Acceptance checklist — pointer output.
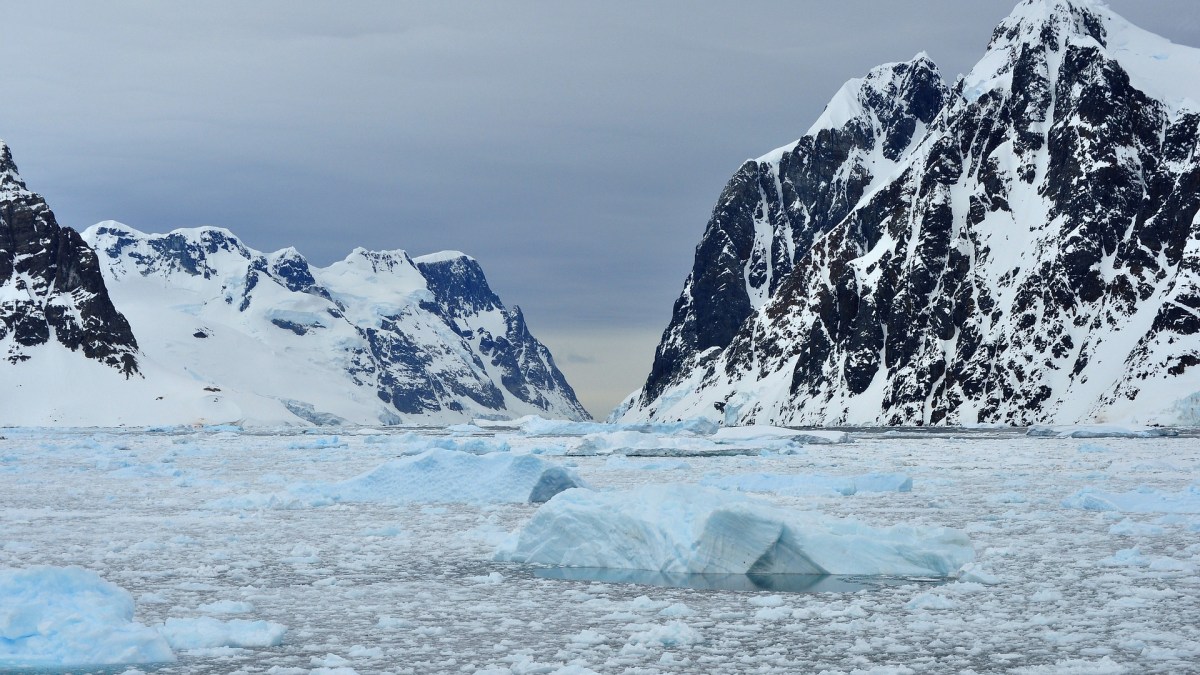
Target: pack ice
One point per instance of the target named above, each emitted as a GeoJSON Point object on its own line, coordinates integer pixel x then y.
{"type": "Point", "coordinates": [696, 530]}
{"type": "Point", "coordinates": [54, 617]}
{"type": "Point", "coordinates": [802, 484]}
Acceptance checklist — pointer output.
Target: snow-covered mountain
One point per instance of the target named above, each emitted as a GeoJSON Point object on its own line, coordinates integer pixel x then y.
{"type": "Point", "coordinates": [225, 333]}
{"type": "Point", "coordinates": [1021, 247]}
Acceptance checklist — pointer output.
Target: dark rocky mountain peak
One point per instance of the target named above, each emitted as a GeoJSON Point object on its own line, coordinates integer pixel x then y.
{"type": "Point", "coordinates": [51, 288]}
{"type": "Point", "coordinates": [774, 207]}
{"type": "Point", "coordinates": [1029, 255]}
{"type": "Point", "coordinates": [458, 285]}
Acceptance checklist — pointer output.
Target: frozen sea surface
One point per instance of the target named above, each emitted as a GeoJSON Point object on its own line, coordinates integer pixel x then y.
{"type": "Point", "coordinates": [409, 587]}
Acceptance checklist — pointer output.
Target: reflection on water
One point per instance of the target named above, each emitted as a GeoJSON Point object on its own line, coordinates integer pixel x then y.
{"type": "Point", "coordinates": [781, 583]}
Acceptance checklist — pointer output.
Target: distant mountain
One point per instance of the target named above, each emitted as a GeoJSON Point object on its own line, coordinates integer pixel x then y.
{"type": "Point", "coordinates": [1018, 248]}
{"type": "Point", "coordinates": [228, 334]}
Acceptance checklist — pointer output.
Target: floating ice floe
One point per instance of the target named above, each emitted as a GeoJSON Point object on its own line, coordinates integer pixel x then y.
{"type": "Point", "coordinates": [52, 617]}
{"type": "Point", "coordinates": [433, 476]}
{"type": "Point", "coordinates": [697, 530]}
{"type": "Point", "coordinates": [762, 433]}
{"type": "Point", "coordinates": [207, 633]}
{"type": "Point", "coordinates": [729, 441]}
{"type": "Point", "coordinates": [1099, 431]}
{"type": "Point", "coordinates": [805, 485]}
{"type": "Point", "coordinates": [1143, 500]}
{"type": "Point", "coordinates": [532, 425]}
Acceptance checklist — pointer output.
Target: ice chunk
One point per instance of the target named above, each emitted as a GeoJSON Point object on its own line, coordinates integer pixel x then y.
{"type": "Point", "coordinates": [207, 632]}
{"type": "Point", "coordinates": [1143, 500]}
{"type": "Point", "coordinates": [883, 482]}
{"type": "Point", "coordinates": [690, 529]}
{"type": "Point", "coordinates": [671, 634]}
{"type": "Point", "coordinates": [740, 441]}
{"type": "Point", "coordinates": [623, 463]}
{"type": "Point", "coordinates": [67, 616]}
{"type": "Point", "coordinates": [1099, 431]}
{"type": "Point", "coordinates": [932, 601]}
{"type": "Point", "coordinates": [226, 607]}
{"type": "Point", "coordinates": [802, 484]}
{"type": "Point", "coordinates": [433, 476]}
{"type": "Point", "coordinates": [626, 442]}
{"type": "Point", "coordinates": [532, 425]}
{"type": "Point", "coordinates": [762, 432]}
{"type": "Point", "coordinates": [449, 476]}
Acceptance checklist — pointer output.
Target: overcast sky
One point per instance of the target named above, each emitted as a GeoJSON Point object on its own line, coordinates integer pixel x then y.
{"type": "Point", "coordinates": [576, 149]}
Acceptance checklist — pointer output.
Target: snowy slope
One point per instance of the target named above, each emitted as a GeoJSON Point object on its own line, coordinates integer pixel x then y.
{"type": "Point", "coordinates": [226, 334]}
{"type": "Point", "coordinates": [1021, 252]}
{"type": "Point", "coordinates": [370, 339]}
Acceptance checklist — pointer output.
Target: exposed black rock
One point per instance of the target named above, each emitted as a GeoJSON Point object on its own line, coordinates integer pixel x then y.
{"type": "Point", "coordinates": [773, 208]}
{"type": "Point", "coordinates": [1030, 257]}
{"type": "Point", "coordinates": [51, 288]}
{"type": "Point", "coordinates": [527, 369]}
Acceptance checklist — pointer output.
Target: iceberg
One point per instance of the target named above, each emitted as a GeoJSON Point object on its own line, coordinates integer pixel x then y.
{"type": "Point", "coordinates": [728, 441]}
{"type": "Point", "coordinates": [451, 476]}
{"type": "Point", "coordinates": [54, 617]}
{"type": "Point", "coordinates": [697, 530]}
{"type": "Point", "coordinates": [434, 476]}
{"type": "Point", "coordinates": [533, 425]}
{"type": "Point", "coordinates": [207, 632]}
{"type": "Point", "coordinates": [1099, 431]}
{"type": "Point", "coordinates": [765, 432]}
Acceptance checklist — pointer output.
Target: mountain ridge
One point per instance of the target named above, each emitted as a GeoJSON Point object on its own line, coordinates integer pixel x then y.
{"type": "Point", "coordinates": [1000, 273]}
{"type": "Point", "coordinates": [411, 335]}
{"type": "Point", "coordinates": [228, 334]}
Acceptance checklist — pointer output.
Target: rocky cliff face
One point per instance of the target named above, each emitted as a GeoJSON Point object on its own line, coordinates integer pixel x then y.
{"type": "Point", "coordinates": [51, 288]}
{"type": "Point", "coordinates": [1019, 248]}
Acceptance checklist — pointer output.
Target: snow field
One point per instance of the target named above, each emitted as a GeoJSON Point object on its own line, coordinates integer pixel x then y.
{"type": "Point", "coordinates": [375, 587]}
